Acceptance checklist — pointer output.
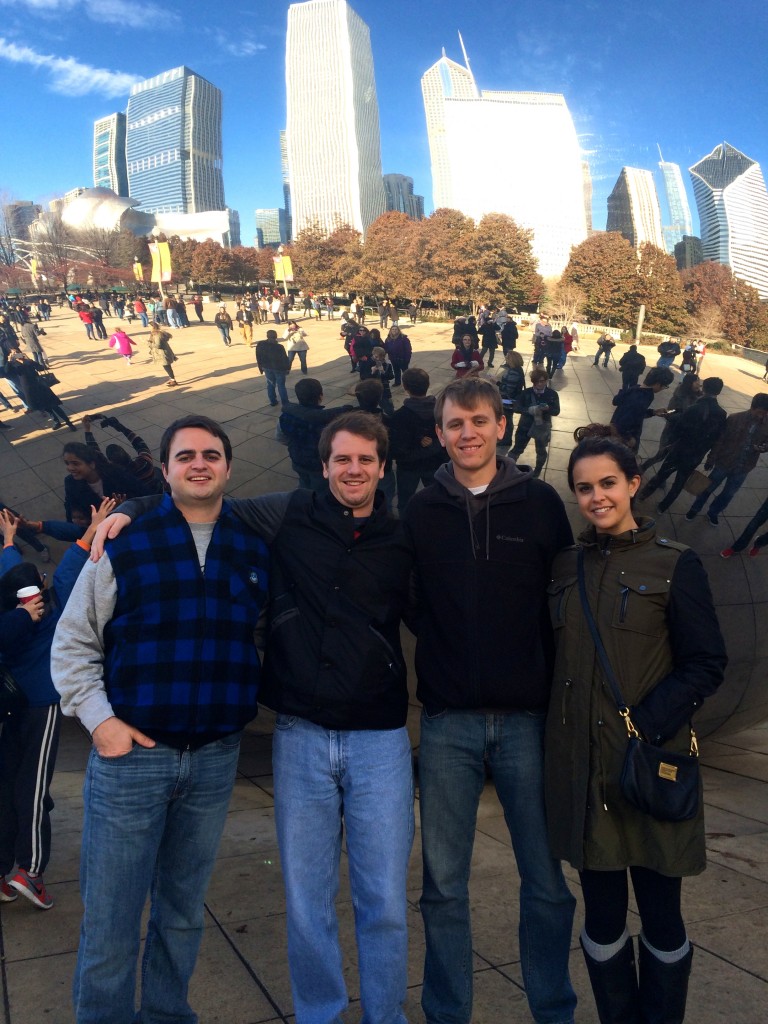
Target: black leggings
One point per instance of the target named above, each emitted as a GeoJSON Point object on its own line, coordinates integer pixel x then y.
{"type": "Point", "coordinates": [606, 898]}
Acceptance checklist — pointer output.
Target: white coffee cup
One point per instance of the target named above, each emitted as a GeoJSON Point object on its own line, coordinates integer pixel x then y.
{"type": "Point", "coordinates": [27, 594]}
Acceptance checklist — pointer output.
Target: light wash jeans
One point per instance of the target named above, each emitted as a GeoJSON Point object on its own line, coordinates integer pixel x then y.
{"type": "Point", "coordinates": [276, 379]}
{"type": "Point", "coordinates": [328, 782]}
{"type": "Point", "coordinates": [455, 747]}
{"type": "Point", "coordinates": [152, 823]}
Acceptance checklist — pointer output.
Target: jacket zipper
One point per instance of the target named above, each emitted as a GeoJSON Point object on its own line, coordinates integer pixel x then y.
{"type": "Point", "coordinates": [624, 602]}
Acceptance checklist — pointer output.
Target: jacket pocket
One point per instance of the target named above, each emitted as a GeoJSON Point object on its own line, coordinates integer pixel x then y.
{"type": "Point", "coordinates": [559, 593]}
{"type": "Point", "coordinates": [641, 604]}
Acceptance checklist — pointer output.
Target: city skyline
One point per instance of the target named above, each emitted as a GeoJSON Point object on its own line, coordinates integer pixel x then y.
{"type": "Point", "coordinates": [633, 208]}
{"type": "Point", "coordinates": [631, 78]}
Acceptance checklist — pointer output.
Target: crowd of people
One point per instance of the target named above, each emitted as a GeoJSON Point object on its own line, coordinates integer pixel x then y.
{"type": "Point", "coordinates": [154, 654]}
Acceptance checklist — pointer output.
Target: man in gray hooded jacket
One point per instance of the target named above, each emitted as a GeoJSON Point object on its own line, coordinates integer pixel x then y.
{"type": "Point", "coordinates": [484, 535]}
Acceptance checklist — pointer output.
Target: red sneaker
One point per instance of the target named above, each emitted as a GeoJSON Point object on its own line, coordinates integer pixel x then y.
{"type": "Point", "coordinates": [33, 887]}
{"type": "Point", "coordinates": [727, 552]}
{"type": "Point", "coordinates": [754, 552]}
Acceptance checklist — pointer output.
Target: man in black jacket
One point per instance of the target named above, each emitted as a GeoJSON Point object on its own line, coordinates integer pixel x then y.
{"type": "Point", "coordinates": [484, 536]}
{"type": "Point", "coordinates": [272, 360]}
{"type": "Point", "coordinates": [300, 426]}
{"type": "Point", "coordinates": [413, 441]}
{"type": "Point", "coordinates": [695, 432]}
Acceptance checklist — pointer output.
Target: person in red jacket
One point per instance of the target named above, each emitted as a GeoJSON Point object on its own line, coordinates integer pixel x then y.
{"type": "Point", "coordinates": [466, 359]}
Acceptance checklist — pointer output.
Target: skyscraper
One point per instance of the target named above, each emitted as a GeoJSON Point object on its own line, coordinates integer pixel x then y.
{"type": "Point", "coordinates": [679, 223]}
{"type": "Point", "coordinates": [18, 217]}
{"type": "Point", "coordinates": [109, 167]}
{"type": "Point", "coordinates": [733, 210]}
{"type": "Point", "coordinates": [271, 227]}
{"type": "Point", "coordinates": [286, 184]}
{"type": "Point", "coordinates": [173, 143]}
{"type": "Point", "coordinates": [543, 191]}
{"type": "Point", "coordinates": [398, 191]}
{"type": "Point", "coordinates": [446, 80]}
{"type": "Point", "coordinates": [633, 208]}
{"type": "Point", "coordinates": [334, 147]}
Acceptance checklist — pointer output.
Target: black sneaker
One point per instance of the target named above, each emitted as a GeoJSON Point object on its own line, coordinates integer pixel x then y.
{"type": "Point", "coordinates": [712, 519]}
{"type": "Point", "coordinates": [690, 516]}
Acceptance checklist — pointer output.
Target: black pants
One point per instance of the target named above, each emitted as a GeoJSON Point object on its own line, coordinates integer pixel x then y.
{"type": "Point", "coordinates": [488, 350]}
{"type": "Point", "coordinates": [606, 899]}
{"type": "Point", "coordinates": [28, 746]}
{"type": "Point", "coordinates": [682, 468]}
{"type": "Point", "coordinates": [302, 359]}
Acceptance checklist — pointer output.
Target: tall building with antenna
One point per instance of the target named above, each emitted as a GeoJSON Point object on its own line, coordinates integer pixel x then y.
{"type": "Point", "coordinates": [680, 223]}
{"type": "Point", "coordinates": [332, 128]}
{"type": "Point", "coordinates": [733, 210]}
{"type": "Point", "coordinates": [545, 195]}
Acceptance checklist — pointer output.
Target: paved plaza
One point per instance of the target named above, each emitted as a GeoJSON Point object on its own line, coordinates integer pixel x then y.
{"type": "Point", "coordinates": [242, 975]}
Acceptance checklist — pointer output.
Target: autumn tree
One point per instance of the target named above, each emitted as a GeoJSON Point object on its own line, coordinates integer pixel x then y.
{"type": "Point", "coordinates": [54, 249]}
{"type": "Point", "coordinates": [182, 253]}
{"type": "Point", "coordinates": [564, 300]}
{"type": "Point", "coordinates": [246, 265]}
{"type": "Point", "coordinates": [210, 262]}
{"type": "Point", "coordinates": [720, 303]}
{"type": "Point", "coordinates": [325, 261]}
{"type": "Point", "coordinates": [388, 266]}
{"type": "Point", "coordinates": [604, 268]}
{"type": "Point", "coordinates": [661, 290]}
{"type": "Point", "coordinates": [445, 257]}
{"type": "Point", "coordinates": [505, 270]}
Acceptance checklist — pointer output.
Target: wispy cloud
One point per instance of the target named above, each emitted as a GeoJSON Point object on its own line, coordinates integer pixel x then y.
{"type": "Point", "coordinates": [112, 12]}
{"type": "Point", "coordinates": [69, 76]}
{"type": "Point", "coordinates": [238, 45]}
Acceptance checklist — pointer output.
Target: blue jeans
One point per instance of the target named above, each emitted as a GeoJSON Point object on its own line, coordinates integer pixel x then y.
{"type": "Point", "coordinates": [327, 781]}
{"type": "Point", "coordinates": [733, 482]}
{"type": "Point", "coordinates": [224, 332]}
{"type": "Point", "coordinates": [455, 746]}
{"type": "Point", "coordinates": [152, 823]}
{"type": "Point", "coordinates": [173, 318]}
{"type": "Point", "coordinates": [276, 379]}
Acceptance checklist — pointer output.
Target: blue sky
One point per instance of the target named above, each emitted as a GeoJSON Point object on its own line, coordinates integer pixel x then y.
{"type": "Point", "coordinates": [686, 74]}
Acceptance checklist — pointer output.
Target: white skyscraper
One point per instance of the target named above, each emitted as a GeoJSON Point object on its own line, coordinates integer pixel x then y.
{"type": "Point", "coordinates": [541, 190]}
{"type": "Point", "coordinates": [332, 130]}
{"type": "Point", "coordinates": [633, 208]}
{"type": "Point", "coordinates": [444, 81]}
{"type": "Point", "coordinates": [733, 210]}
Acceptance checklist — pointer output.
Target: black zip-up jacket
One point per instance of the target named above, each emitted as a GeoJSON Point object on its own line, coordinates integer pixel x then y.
{"type": "Point", "coordinates": [483, 564]}
{"type": "Point", "coordinates": [408, 426]}
{"type": "Point", "coordinates": [333, 652]}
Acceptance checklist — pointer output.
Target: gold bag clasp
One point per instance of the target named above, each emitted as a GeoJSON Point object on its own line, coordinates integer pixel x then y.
{"type": "Point", "coordinates": [667, 771]}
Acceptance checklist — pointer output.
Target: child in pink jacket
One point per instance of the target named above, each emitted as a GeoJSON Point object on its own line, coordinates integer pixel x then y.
{"type": "Point", "coordinates": [123, 344]}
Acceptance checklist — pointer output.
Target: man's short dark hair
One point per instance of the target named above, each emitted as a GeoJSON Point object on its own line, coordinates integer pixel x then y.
{"type": "Point", "coordinates": [469, 392]}
{"type": "Point", "coordinates": [271, 335]}
{"type": "Point", "coordinates": [308, 391]}
{"type": "Point", "coordinates": [760, 401]}
{"type": "Point", "coordinates": [357, 422]}
{"type": "Point", "coordinates": [416, 382]}
{"type": "Point", "coordinates": [659, 375]}
{"type": "Point", "coordinates": [368, 394]}
{"type": "Point", "coordinates": [191, 423]}
{"type": "Point", "coordinates": [712, 385]}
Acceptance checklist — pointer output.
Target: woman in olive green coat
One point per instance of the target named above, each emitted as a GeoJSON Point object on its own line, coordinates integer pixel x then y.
{"type": "Point", "coordinates": [651, 602]}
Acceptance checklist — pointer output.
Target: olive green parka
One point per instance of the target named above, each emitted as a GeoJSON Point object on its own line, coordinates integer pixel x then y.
{"type": "Point", "coordinates": [651, 601]}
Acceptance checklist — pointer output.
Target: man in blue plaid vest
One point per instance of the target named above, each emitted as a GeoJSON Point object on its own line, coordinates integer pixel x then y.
{"type": "Point", "coordinates": [157, 659]}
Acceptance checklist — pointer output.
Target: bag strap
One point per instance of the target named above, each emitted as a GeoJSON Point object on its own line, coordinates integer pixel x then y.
{"type": "Point", "coordinates": [621, 704]}
{"type": "Point", "coordinates": [599, 647]}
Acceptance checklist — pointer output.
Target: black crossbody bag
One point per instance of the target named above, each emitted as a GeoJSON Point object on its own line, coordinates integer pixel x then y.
{"type": "Point", "coordinates": [656, 781]}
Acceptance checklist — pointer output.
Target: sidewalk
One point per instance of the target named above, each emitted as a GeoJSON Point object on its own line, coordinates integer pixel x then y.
{"type": "Point", "coordinates": [242, 975]}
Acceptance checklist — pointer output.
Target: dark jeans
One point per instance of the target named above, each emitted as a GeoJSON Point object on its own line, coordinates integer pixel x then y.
{"type": "Point", "coordinates": [302, 360]}
{"type": "Point", "coordinates": [398, 366]}
{"type": "Point", "coordinates": [757, 520]}
{"type": "Point", "coordinates": [488, 350]}
{"type": "Point", "coordinates": [408, 480]}
{"type": "Point", "coordinates": [683, 469]}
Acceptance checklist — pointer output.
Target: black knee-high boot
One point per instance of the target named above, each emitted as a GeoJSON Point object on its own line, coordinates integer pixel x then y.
{"type": "Point", "coordinates": [663, 987]}
{"type": "Point", "coordinates": [614, 985]}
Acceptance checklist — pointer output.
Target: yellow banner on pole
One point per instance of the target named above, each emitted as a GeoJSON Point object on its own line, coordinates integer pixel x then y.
{"type": "Point", "coordinates": [138, 271]}
{"type": "Point", "coordinates": [283, 268]}
{"type": "Point", "coordinates": [161, 261]}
